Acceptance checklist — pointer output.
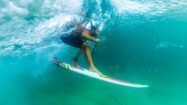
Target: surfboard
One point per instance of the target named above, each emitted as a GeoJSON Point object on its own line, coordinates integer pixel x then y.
{"type": "Point", "coordinates": [91, 74]}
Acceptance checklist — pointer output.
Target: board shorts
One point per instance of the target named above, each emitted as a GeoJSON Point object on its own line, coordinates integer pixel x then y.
{"type": "Point", "coordinates": [72, 40]}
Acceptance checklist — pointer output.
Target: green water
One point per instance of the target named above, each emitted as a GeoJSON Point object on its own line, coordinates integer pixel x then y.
{"type": "Point", "coordinates": [141, 41]}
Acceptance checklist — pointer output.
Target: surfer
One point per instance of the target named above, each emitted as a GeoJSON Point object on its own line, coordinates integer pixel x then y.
{"type": "Point", "coordinates": [77, 38]}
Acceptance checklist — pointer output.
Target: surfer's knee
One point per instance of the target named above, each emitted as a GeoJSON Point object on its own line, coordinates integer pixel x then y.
{"type": "Point", "coordinates": [85, 46]}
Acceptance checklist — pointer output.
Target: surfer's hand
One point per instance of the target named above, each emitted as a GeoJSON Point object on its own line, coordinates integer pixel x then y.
{"type": "Point", "coordinates": [97, 40]}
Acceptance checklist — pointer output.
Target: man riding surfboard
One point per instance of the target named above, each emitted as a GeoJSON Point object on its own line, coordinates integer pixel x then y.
{"type": "Point", "coordinates": [77, 38]}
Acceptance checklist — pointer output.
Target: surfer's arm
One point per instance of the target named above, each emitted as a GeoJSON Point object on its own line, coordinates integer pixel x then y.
{"type": "Point", "coordinates": [89, 37]}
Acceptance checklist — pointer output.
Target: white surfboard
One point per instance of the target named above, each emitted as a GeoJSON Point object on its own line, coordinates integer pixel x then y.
{"type": "Point", "coordinates": [96, 76]}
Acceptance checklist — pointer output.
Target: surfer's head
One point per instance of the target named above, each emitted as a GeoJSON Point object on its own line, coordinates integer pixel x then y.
{"type": "Point", "coordinates": [94, 31]}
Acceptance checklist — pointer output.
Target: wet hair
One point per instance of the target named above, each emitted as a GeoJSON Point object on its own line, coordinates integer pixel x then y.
{"type": "Point", "coordinates": [94, 28]}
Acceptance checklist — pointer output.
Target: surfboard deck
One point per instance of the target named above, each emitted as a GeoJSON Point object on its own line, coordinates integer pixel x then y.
{"type": "Point", "coordinates": [96, 76]}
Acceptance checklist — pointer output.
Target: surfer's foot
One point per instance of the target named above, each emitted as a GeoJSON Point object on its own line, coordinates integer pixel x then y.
{"type": "Point", "coordinates": [94, 69]}
{"type": "Point", "coordinates": [74, 64]}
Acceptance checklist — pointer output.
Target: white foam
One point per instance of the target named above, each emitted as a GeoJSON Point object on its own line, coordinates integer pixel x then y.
{"type": "Point", "coordinates": [49, 26]}
{"type": "Point", "coordinates": [24, 3]}
{"type": "Point", "coordinates": [70, 6]}
{"type": "Point", "coordinates": [148, 7]}
{"type": "Point", "coordinates": [36, 36]}
{"type": "Point", "coordinates": [130, 6]}
{"type": "Point", "coordinates": [13, 10]}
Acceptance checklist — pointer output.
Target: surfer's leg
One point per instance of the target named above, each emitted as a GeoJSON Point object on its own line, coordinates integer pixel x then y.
{"type": "Point", "coordinates": [76, 58]}
{"type": "Point", "coordinates": [88, 55]}
{"type": "Point", "coordinates": [89, 58]}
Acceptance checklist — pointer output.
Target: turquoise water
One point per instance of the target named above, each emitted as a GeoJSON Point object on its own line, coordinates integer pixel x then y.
{"type": "Point", "coordinates": [143, 41]}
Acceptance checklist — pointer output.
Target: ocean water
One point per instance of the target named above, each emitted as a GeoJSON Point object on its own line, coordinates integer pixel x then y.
{"type": "Point", "coordinates": [142, 41]}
